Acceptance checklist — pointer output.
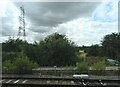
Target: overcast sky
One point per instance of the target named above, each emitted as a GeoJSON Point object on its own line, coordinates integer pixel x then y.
{"type": "Point", "coordinates": [85, 23]}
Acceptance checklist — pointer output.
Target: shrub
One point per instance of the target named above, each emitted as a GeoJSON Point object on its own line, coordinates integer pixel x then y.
{"type": "Point", "coordinates": [99, 65]}
{"type": "Point", "coordinates": [8, 67]}
{"type": "Point", "coordinates": [22, 65]}
{"type": "Point", "coordinates": [82, 66]}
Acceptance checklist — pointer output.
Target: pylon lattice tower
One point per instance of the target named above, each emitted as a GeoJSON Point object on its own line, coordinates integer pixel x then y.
{"type": "Point", "coordinates": [22, 25]}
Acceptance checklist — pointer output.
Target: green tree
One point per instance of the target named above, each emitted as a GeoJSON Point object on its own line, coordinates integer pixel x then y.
{"type": "Point", "coordinates": [32, 51]}
{"type": "Point", "coordinates": [94, 50]}
{"type": "Point", "coordinates": [13, 45]}
{"type": "Point", "coordinates": [9, 56]}
{"type": "Point", "coordinates": [57, 50]}
{"type": "Point", "coordinates": [111, 45]}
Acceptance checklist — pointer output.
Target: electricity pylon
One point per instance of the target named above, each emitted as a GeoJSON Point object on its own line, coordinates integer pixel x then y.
{"type": "Point", "coordinates": [22, 26]}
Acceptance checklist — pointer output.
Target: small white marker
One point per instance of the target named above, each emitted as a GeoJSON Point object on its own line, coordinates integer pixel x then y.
{"type": "Point", "coordinates": [16, 81]}
{"type": "Point", "coordinates": [72, 82]}
{"type": "Point", "coordinates": [101, 82]}
{"type": "Point", "coordinates": [8, 81]}
{"type": "Point", "coordinates": [24, 81]}
{"type": "Point", "coordinates": [83, 82]}
{"type": "Point", "coordinates": [2, 80]}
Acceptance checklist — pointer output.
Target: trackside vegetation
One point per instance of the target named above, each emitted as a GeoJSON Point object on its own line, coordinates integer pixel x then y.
{"type": "Point", "coordinates": [21, 57]}
{"type": "Point", "coordinates": [21, 65]}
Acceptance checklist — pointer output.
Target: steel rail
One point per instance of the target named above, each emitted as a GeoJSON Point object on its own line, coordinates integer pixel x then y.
{"type": "Point", "coordinates": [86, 82]}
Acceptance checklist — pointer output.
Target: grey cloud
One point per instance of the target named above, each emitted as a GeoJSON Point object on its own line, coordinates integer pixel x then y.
{"type": "Point", "coordinates": [6, 31]}
{"type": "Point", "coordinates": [7, 27]}
{"type": "Point", "coordinates": [40, 29]}
{"type": "Point", "coordinates": [54, 13]}
{"type": "Point", "coordinates": [119, 16]}
{"type": "Point", "coordinates": [44, 16]}
{"type": "Point", "coordinates": [41, 36]}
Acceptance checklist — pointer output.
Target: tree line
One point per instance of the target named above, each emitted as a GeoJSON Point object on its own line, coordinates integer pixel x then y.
{"type": "Point", "coordinates": [54, 50]}
{"type": "Point", "coordinates": [109, 47]}
{"type": "Point", "coordinates": [57, 50]}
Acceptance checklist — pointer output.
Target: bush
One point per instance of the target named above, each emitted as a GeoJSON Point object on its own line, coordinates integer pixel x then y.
{"type": "Point", "coordinates": [8, 67]}
{"type": "Point", "coordinates": [9, 56]}
{"type": "Point", "coordinates": [99, 65]}
{"type": "Point", "coordinates": [82, 66]}
{"type": "Point", "coordinates": [22, 65]}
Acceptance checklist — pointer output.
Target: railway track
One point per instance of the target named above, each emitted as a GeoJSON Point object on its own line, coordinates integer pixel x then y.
{"type": "Point", "coordinates": [56, 82]}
